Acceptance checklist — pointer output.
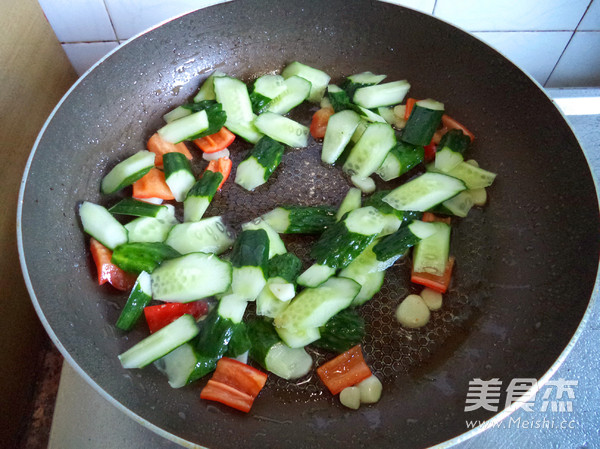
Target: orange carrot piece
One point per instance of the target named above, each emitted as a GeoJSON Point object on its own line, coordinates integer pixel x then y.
{"type": "Point", "coordinates": [159, 146]}
{"type": "Point", "coordinates": [152, 185]}
{"type": "Point", "coordinates": [346, 370]}
{"type": "Point", "coordinates": [215, 142]}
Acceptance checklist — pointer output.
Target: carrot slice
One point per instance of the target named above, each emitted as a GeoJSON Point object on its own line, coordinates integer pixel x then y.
{"type": "Point", "coordinates": [220, 392]}
{"type": "Point", "coordinates": [319, 122]}
{"type": "Point", "coordinates": [449, 123]}
{"type": "Point", "coordinates": [410, 104]}
{"type": "Point", "coordinates": [434, 282]}
{"type": "Point", "coordinates": [240, 376]}
{"type": "Point", "coordinates": [159, 146]}
{"type": "Point", "coordinates": [222, 165]}
{"type": "Point", "coordinates": [107, 271]}
{"type": "Point", "coordinates": [346, 370]}
{"type": "Point", "coordinates": [215, 142]}
{"type": "Point", "coordinates": [152, 185]}
{"type": "Point", "coordinates": [234, 384]}
{"type": "Point", "coordinates": [430, 217]}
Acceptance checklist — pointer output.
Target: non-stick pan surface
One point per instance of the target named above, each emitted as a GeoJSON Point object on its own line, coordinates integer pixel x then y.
{"type": "Point", "coordinates": [526, 263]}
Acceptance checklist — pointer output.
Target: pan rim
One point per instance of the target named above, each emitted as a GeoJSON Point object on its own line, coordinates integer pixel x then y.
{"type": "Point", "coordinates": [461, 438]}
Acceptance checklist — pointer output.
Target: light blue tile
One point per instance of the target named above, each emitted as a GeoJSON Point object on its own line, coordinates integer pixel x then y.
{"type": "Point", "coordinates": [131, 17]}
{"type": "Point", "coordinates": [536, 52]}
{"type": "Point", "coordinates": [85, 55]}
{"type": "Point", "coordinates": [512, 15]}
{"type": "Point", "coordinates": [579, 66]}
{"type": "Point", "coordinates": [591, 20]}
{"type": "Point", "coordinates": [78, 21]}
{"type": "Point", "coordinates": [425, 6]}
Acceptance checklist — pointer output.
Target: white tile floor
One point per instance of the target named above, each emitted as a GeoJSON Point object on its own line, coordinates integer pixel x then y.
{"type": "Point", "coordinates": [556, 41]}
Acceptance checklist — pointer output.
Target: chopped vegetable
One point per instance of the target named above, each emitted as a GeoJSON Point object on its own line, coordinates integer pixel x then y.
{"type": "Point", "coordinates": [128, 171]}
{"type": "Point", "coordinates": [370, 390]}
{"type": "Point", "coordinates": [159, 316]}
{"type": "Point", "coordinates": [215, 142]}
{"type": "Point", "coordinates": [160, 146]}
{"type": "Point", "coordinates": [413, 312]}
{"type": "Point", "coordinates": [108, 271]}
{"type": "Point", "coordinates": [435, 282]}
{"type": "Point", "coordinates": [222, 165]}
{"type": "Point", "coordinates": [432, 298]}
{"type": "Point", "coordinates": [346, 370]}
{"type": "Point", "coordinates": [152, 185]}
{"type": "Point", "coordinates": [350, 397]}
{"type": "Point", "coordinates": [234, 384]}
{"type": "Point", "coordinates": [318, 125]}
{"type": "Point", "coordinates": [449, 123]}
{"type": "Point", "coordinates": [140, 296]}
{"type": "Point", "coordinates": [410, 104]}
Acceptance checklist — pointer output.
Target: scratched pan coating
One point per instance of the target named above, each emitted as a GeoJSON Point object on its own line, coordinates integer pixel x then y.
{"type": "Point", "coordinates": [526, 262]}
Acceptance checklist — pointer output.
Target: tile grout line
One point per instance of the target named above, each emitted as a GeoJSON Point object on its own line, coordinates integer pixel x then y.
{"type": "Point", "coordinates": [111, 22]}
{"type": "Point", "coordinates": [90, 42]}
{"type": "Point", "coordinates": [567, 46]}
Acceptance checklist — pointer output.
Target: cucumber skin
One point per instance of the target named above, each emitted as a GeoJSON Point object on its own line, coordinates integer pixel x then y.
{"type": "Point", "coordinates": [262, 336]}
{"type": "Point", "coordinates": [239, 342]}
{"type": "Point", "coordinates": [207, 185]}
{"type": "Point", "coordinates": [136, 208]}
{"type": "Point", "coordinates": [337, 246]}
{"type": "Point", "coordinates": [456, 141]}
{"type": "Point", "coordinates": [310, 219]}
{"type": "Point", "coordinates": [268, 153]}
{"type": "Point", "coordinates": [409, 156]}
{"type": "Point", "coordinates": [134, 307]}
{"type": "Point", "coordinates": [286, 265]}
{"type": "Point", "coordinates": [215, 114]}
{"type": "Point", "coordinates": [421, 125]}
{"type": "Point", "coordinates": [141, 256]}
{"type": "Point", "coordinates": [251, 248]}
{"type": "Point", "coordinates": [395, 244]}
{"type": "Point", "coordinates": [173, 162]}
{"type": "Point", "coordinates": [342, 332]}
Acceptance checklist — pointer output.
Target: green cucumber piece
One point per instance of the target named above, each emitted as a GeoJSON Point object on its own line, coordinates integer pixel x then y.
{"type": "Point", "coordinates": [178, 174]}
{"type": "Point", "coordinates": [200, 195]}
{"type": "Point", "coordinates": [209, 235]}
{"type": "Point", "coordinates": [272, 354]}
{"type": "Point", "coordinates": [297, 90]}
{"type": "Point", "coordinates": [300, 219]}
{"type": "Point", "coordinates": [341, 243]}
{"type": "Point", "coordinates": [233, 96]}
{"type": "Point", "coordinates": [317, 78]}
{"type": "Point", "coordinates": [423, 122]}
{"type": "Point", "coordinates": [313, 307]}
{"type": "Point", "coordinates": [136, 257]}
{"type": "Point", "coordinates": [276, 245]}
{"type": "Point", "coordinates": [431, 254]}
{"type": "Point", "coordinates": [315, 275]}
{"type": "Point", "coordinates": [152, 229]}
{"type": "Point", "coordinates": [136, 208]}
{"type": "Point", "coordinates": [473, 177]}
{"type": "Point", "coordinates": [397, 244]}
{"type": "Point", "coordinates": [190, 277]}
{"type": "Point", "coordinates": [160, 343]}
{"type": "Point", "coordinates": [402, 158]}
{"type": "Point", "coordinates": [207, 89]}
{"type": "Point", "coordinates": [339, 131]}
{"type": "Point", "coordinates": [140, 297]}
{"type": "Point", "coordinates": [424, 192]}
{"type": "Point", "coordinates": [128, 171]}
{"type": "Point", "coordinates": [341, 332]}
{"type": "Point", "coordinates": [378, 95]}
{"type": "Point", "coordinates": [98, 222]}
{"type": "Point", "coordinates": [282, 129]}
{"type": "Point", "coordinates": [264, 158]}
{"type": "Point", "coordinates": [371, 149]}
{"type": "Point", "coordinates": [286, 266]}
{"type": "Point", "coordinates": [351, 201]}
{"type": "Point", "coordinates": [185, 128]}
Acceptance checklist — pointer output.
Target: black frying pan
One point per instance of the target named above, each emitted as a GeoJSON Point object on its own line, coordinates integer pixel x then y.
{"type": "Point", "coordinates": [526, 262]}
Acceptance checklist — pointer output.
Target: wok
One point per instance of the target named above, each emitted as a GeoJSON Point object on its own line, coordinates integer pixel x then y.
{"type": "Point", "coordinates": [526, 262]}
